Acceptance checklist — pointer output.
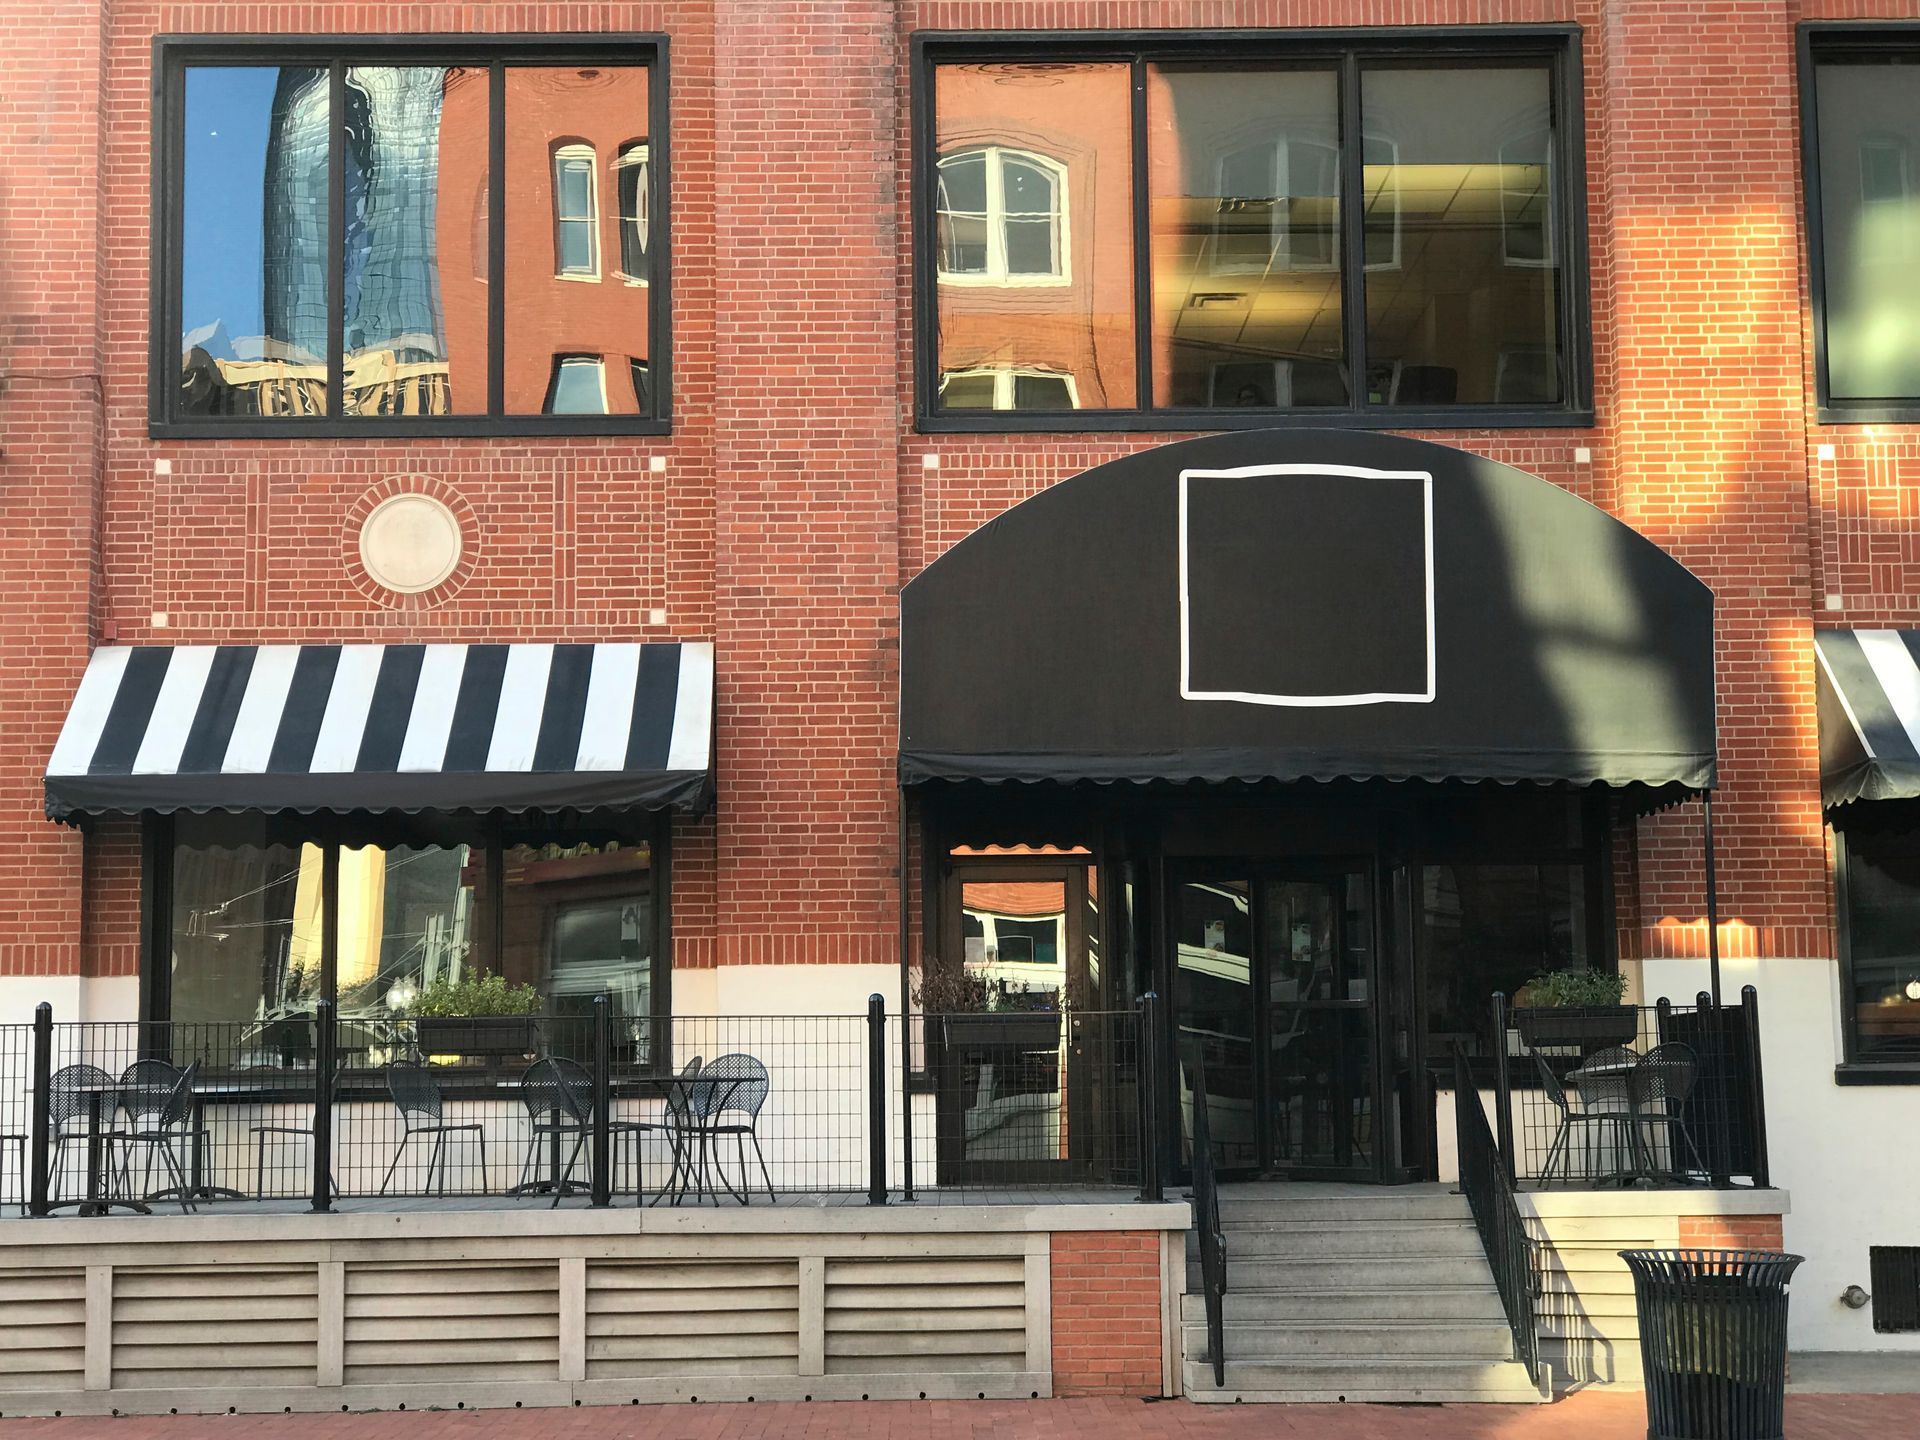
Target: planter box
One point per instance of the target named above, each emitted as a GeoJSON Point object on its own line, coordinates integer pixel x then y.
{"type": "Point", "coordinates": [1005, 1030]}
{"type": "Point", "coordinates": [494, 1035]}
{"type": "Point", "coordinates": [1591, 1027]}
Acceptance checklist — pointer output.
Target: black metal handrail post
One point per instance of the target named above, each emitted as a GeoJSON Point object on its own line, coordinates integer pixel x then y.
{"type": "Point", "coordinates": [325, 1039]}
{"type": "Point", "coordinates": [1502, 1089]}
{"type": "Point", "coordinates": [42, 1112]}
{"type": "Point", "coordinates": [1719, 1158]}
{"type": "Point", "coordinates": [876, 1100]}
{"type": "Point", "coordinates": [1206, 1219]}
{"type": "Point", "coordinates": [602, 1100]}
{"type": "Point", "coordinates": [1147, 1082]}
{"type": "Point", "coordinates": [1750, 1011]}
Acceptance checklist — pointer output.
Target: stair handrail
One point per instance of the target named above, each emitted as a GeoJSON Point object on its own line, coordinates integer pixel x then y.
{"type": "Point", "coordinates": [1206, 1221]}
{"type": "Point", "coordinates": [1486, 1181]}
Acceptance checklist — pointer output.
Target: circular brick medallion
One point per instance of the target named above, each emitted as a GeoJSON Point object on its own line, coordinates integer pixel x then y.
{"type": "Point", "coordinates": [410, 543]}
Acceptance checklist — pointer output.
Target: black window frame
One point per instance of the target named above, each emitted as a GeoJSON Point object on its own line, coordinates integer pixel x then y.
{"type": "Point", "coordinates": [1853, 1069]}
{"type": "Point", "coordinates": [1838, 39]}
{"type": "Point", "coordinates": [1557, 46]}
{"type": "Point", "coordinates": [494, 835]}
{"type": "Point", "coordinates": [174, 54]}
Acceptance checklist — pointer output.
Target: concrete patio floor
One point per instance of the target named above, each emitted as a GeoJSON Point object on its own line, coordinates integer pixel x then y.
{"type": "Point", "coordinates": [1592, 1415]}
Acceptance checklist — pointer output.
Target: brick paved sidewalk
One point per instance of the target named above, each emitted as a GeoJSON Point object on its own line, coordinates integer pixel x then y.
{"type": "Point", "coordinates": [1580, 1417]}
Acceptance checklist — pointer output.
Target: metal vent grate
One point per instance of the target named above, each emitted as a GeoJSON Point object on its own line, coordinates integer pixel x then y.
{"type": "Point", "coordinates": [1896, 1288]}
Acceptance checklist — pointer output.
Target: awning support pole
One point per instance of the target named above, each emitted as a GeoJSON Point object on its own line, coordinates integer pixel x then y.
{"type": "Point", "coordinates": [1713, 900]}
{"type": "Point", "coordinates": [906, 1014]}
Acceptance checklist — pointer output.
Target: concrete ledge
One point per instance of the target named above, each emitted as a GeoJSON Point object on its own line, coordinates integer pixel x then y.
{"type": "Point", "coordinates": [1555, 1204]}
{"type": "Point", "coordinates": [228, 1226]}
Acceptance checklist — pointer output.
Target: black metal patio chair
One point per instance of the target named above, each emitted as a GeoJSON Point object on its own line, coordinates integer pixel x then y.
{"type": "Point", "coordinates": [1602, 1080]}
{"type": "Point", "coordinates": [1661, 1082]}
{"type": "Point", "coordinates": [735, 1085]}
{"type": "Point", "coordinates": [157, 1099]}
{"type": "Point", "coordinates": [73, 1092]}
{"type": "Point", "coordinates": [677, 1123]}
{"type": "Point", "coordinates": [559, 1099]}
{"type": "Point", "coordinates": [263, 1129]}
{"type": "Point", "coordinates": [416, 1095]}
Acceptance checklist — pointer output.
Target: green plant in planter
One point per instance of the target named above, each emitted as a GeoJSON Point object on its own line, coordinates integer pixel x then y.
{"type": "Point", "coordinates": [1572, 989]}
{"type": "Point", "coordinates": [475, 995]}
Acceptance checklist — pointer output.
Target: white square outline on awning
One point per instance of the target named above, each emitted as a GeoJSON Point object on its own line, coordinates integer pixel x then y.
{"type": "Point", "coordinates": [1251, 697]}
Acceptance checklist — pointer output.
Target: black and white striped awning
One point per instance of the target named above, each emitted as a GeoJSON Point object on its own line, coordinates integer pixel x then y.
{"type": "Point", "coordinates": [1869, 697]}
{"type": "Point", "coordinates": [371, 728]}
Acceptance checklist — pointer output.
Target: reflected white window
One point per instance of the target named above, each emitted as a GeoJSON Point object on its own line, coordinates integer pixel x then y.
{"type": "Point", "coordinates": [1002, 218]}
{"type": "Point", "coordinates": [1526, 209]}
{"type": "Point", "coordinates": [631, 173]}
{"type": "Point", "coordinates": [578, 387]}
{"type": "Point", "coordinates": [576, 245]}
{"type": "Point", "coordinates": [1278, 208]}
{"type": "Point", "coordinates": [1007, 388]}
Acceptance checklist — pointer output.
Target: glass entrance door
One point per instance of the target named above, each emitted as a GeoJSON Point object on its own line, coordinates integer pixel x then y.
{"type": "Point", "coordinates": [1275, 988]}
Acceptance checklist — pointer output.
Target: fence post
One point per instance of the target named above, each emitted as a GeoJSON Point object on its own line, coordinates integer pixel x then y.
{"type": "Point", "coordinates": [1502, 1089]}
{"type": "Point", "coordinates": [876, 1100]}
{"type": "Point", "coordinates": [324, 1040]}
{"type": "Point", "coordinates": [1146, 1078]}
{"type": "Point", "coordinates": [1750, 1011]}
{"type": "Point", "coordinates": [42, 1099]}
{"type": "Point", "coordinates": [602, 1100]}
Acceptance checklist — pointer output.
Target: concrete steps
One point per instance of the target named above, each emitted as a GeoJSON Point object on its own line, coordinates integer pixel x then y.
{"type": "Point", "coordinates": [1352, 1293]}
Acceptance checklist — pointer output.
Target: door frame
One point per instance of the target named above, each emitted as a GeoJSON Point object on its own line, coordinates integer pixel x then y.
{"type": "Point", "coordinates": [1258, 871]}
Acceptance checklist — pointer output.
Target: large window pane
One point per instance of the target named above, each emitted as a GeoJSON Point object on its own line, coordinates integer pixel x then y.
{"type": "Point", "coordinates": [572, 134]}
{"type": "Point", "coordinates": [1494, 927]}
{"type": "Point", "coordinates": [1462, 280]}
{"type": "Point", "coordinates": [415, 168]}
{"type": "Point", "coordinates": [1244, 171]}
{"type": "Point", "coordinates": [579, 921]}
{"type": "Point", "coordinates": [1214, 1009]}
{"type": "Point", "coordinates": [253, 275]}
{"type": "Point", "coordinates": [408, 920]}
{"type": "Point", "coordinates": [1870, 227]}
{"type": "Point", "coordinates": [1883, 946]}
{"type": "Point", "coordinates": [246, 930]}
{"type": "Point", "coordinates": [1034, 242]}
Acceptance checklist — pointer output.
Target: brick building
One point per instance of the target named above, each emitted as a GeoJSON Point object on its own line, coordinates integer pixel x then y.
{"type": "Point", "coordinates": [717, 324]}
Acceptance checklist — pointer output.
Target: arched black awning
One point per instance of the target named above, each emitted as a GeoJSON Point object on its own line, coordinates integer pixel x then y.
{"type": "Point", "coordinates": [1307, 605]}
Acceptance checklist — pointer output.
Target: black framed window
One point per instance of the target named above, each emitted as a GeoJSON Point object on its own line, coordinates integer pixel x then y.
{"type": "Point", "coordinates": [1860, 118]}
{"type": "Point", "coordinates": [1879, 925]}
{"type": "Point", "coordinates": [357, 236]}
{"type": "Point", "coordinates": [1158, 230]}
{"type": "Point", "coordinates": [236, 940]}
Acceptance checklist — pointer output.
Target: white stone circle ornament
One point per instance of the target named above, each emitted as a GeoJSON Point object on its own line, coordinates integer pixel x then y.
{"type": "Point", "coordinates": [410, 543]}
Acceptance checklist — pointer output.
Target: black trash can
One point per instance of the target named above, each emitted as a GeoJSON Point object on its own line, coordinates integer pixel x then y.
{"type": "Point", "coordinates": [1713, 1341]}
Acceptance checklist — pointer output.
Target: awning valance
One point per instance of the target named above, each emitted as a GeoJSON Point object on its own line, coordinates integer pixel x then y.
{"type": "Point", "coordinates": [373, 728]}
{"type": "Point", "coordinates": [1868, 688]}
{"type": "Point", "coordinates": [1308, 605]}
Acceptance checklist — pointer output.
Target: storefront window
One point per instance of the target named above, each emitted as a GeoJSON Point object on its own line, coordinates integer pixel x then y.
{"type": "Point", "coordinates": [1487, 928]}
{"type": "Point", "coordinates": [574, 921]}
{"type": "Point", "coordinates": [1882, 928]}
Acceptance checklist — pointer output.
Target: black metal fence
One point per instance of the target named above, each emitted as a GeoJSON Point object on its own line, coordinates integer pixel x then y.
{"type": "Point", "coordinates": [101, 1116]}
{"type": "Point", "coordinates": [1488, 1186]}
{"type": "Point", "coordinates": [1659, 1094]}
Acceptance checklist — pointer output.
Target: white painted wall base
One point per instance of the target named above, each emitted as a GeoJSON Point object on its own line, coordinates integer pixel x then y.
{"type": "Point", "coordinates": [1850, 1155]}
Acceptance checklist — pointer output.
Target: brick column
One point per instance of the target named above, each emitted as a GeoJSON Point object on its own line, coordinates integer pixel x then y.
{"type": "Point", "coordinates": [1106, 1313]}
{"type": "Point", "coordinates": [1708, 436]}
{"type": "Point", "coordinates": [50, 456]}
{"type": "Point", "coordinates": [805, 493]}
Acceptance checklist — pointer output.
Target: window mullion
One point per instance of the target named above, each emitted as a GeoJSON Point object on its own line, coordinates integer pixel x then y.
{"type": "Point", "coordinates": [1142, 242]}
{"type": "Point", "coordinates": [1353, 237]}
{"type": "Point", "coordinates": [336, 237]}
{"type": "Point", "coordinates": [996, 216]}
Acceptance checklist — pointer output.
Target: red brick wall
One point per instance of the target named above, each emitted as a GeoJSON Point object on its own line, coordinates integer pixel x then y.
{"type": "Point", "coordinates": [1731, 1232]}
{"type": "Point", "coordinates": [1106, 1313]}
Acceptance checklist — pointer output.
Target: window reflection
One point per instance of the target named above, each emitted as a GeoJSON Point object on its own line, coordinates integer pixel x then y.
{"type": "Point", "coordinates": [1487, 928]}
{"type": "Point", "coordinates": [253, 282]}
{"type": "Point", "coordinates": [575, 178]}
{"type": "Point", "coordinates": [1870, 228]}
{"type": "Point", "coordinates": [1461, 285]}
{"type": "Point", "coordinates": [1244, 217]}
{"type": "Point", "coordinates": [404, 125]}
{"type": "Point", "coordinates": [1034, 247]}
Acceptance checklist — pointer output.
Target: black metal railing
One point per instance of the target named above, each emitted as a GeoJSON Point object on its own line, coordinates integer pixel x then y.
{"type": "Point", "coordinates": [319, 1108]}
{"type": "Point", "coordinates": [1208, 1233]}
{"type": "Point", "coordinates": [1641, 1095]}
{"type": "Point", "coordinates": [1488, 1185]}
